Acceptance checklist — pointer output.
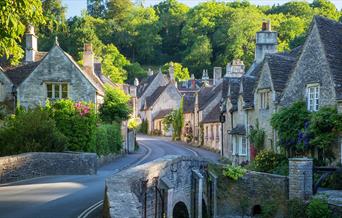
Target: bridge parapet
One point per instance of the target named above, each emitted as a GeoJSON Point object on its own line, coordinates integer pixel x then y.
{"type": "Point", "coordinates": [154, 189]}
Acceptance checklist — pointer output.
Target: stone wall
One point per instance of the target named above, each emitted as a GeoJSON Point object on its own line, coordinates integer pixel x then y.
{"type": "Point", "coordinates": [238, 198]}
{"type": "Point", "coordinates": [30, 165]}
{"type": "Point", "coordinates": [125, 192]}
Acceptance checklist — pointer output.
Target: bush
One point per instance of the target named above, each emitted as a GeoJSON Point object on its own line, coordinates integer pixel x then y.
{"type": "Point", "coordinates": [234, 172]}
{"type": "Point", "coordinates": [268, 161]}
{"type": "Point", "coordinates": [156, 132]}
{"type": "Point", "coordinates": [107, 139]}
{"type": "Point", "coordinates": [77, 121]}
{"type": "Point", "coordinates": [144, 127]}
{"type": "Point", "coordinates": [296, 208]}
{"type": "Point", "coordinates": [318, 208]}
{"type": "Point", "coordinates": [30, 131]}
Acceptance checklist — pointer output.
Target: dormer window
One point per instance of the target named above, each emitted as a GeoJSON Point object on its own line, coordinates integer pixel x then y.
{"type": "Point", "coordinates": [312, 92]}
{"type": "Point", "coordinates": [264, 99]}
{"type": "Point", "coordinates": [57, 90]}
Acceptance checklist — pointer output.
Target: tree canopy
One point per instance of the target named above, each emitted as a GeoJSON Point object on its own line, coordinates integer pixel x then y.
{"type": "Point", "coordinates": [209, 34]}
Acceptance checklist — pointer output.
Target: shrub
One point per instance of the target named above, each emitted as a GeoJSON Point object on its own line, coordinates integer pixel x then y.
{"type": "Point", "coordinates": [77, 121]}
{"type": "Point", "coordinates": [30, 131]}
{"type": "Point", "coordinates": [257, 137]}
{"type": "Point", "coordinates": [144, 127]}
{"type": "Point", "coordinates": [134, 123]}
{"type": "Point", "coordinates": [156, 132]}
{"type": "Point", "coordinates": [318, 208]}
{"type": "Point", "coordinates": [107, 139]}
{"type": "Point", "coordinates": [296, 208]}
{"type": "Point", "coordinates": [115, 106]}
{"type": "Point", "coordinates": [268, 161]}
{"type": "Point", "coordinates": [234, 172]}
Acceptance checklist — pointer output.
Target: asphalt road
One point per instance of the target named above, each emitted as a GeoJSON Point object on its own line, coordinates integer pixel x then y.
{"type": "Point", "coordinates": [70, 196]}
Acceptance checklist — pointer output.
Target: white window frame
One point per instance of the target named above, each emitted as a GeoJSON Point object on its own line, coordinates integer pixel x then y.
{"type": "Point", "coordinates": [243, 143]}
{"type": "Point", "coordinates": [312, 95]}
{"type": "Point", "coordinates": [60, 91]}
{"type": "Point", "coordinates": [238, 143]}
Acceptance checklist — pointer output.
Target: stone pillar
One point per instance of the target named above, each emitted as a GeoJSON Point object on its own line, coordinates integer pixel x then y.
{"type": "Point", "coordinates": [199, 187]}
{"type": "Point", "coordinates": [169, 208]}
{"type": "Point", "coordinates": [300, 178]}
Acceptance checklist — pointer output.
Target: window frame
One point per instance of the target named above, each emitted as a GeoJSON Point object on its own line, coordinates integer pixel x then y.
{"type": "Point", "coordinates": [264, 96]}
{"type": "Point", "coordinates": [312, 97]}
{"type": "Point", "coordinates": [61, 93]}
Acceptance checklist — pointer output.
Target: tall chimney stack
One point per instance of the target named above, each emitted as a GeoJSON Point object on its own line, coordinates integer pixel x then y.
{"type": "Point", "coordinates": [266, 41]}
{"type": "Point", "coordinates": [31, 44]}
{"type": "Point", "coordinates": [88, 58]}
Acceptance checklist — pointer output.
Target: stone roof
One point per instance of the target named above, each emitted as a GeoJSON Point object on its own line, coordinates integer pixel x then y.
{"type": "Point", "coordinates": [234, 88]}
{"type": "Point", "coordinates": [162, 114]}
{"type": "Point", "coordinates": [248, 85]}
{"type": "Point", "coordinates": [238, 130]}
{"type": "Point", "coordinates": [281, 67]}
{"type": "Point", "coordinates": [19, 73]}
{"type": "Point", "coordinates": [330, 33]}
{"type": "Point", "coordinates": [144, 84]}
{"type": "Point", "coordinates": [213, 116]}
{"type": "Point", "coordinates": [40, 55]}
{"type": "Point", "coordinates": [150, 100]}
{"type": "Point", "coordinates": [189, 103]}
{"type": "Point", "coordinates": [204, 95]}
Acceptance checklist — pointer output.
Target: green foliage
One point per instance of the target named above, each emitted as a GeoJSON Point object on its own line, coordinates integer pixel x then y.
{"type": "Point", "coordinates": [134, 70]}
{"type": "Point", "coordinates": [296, 208]}
{"type": "Point", "coordinates": [234, 172]}
{"type": "Point", "coordinates": [77, 121]}
{"type": "Point", "coordinates": [318, 208]}
{"type": "Point", "coordinates": [29, 131]}
{"type": "Point", "coordinates": [269, 209]}
{"type": "Point", "coordinates": [107, 139]}
{"type": "Point", "coordinates": [14, 16]}
{"type": "Point", "coordinates": [267, 161]}
{"type": "Point", "coordinates": [168, 120]}
{"type": "Point", "coordinates": [133, 123]}
{"type": "Point", "coordinates": [333, 181]}
{"type": "Point", "coordinates": [144, 127]}
{"type": "Point", "coordinates": [325, 125]}
{"type": "Point", "coordinates": [288, 122]}
{"type": "Point", "coordinates": [178, 122]}
{"type": "Point", "coordinates": [115, 106]}
{"type": "Point", "coordinates": [257, 137]}
{"type": "Point", "coordinates": [181, 73]}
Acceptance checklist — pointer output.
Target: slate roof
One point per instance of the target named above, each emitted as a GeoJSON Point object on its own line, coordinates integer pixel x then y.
{"type": "Point", "coordinates": [238, 130]}
{"type": "Point", "coordinates": [281, 67]}
{"type": "Point", "coordinates": [162, 114]}
{"type": "Point", "coordinates": [204, 95]}
{"type": "Point", "coordinates": [144, 84]}
{"type": "Point", "coordinates": [19, 73]}
{"type": "Point", "coordinates": [234, 87]}
{"type": "Point", "coordinates": [331, 37]}
{"type": "Point", "coordinates": [248, 84]}
{"type": "Point", "coordinates": [189, 103]}
{"type": "Point", "coordinates": [213, 116]}
{"type": "Point", "coordinates": [150, 100]}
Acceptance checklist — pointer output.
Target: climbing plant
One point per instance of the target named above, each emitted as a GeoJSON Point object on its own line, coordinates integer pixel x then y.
{"type": "Point", "coordinates": [257, 137]}
{"type": "Point", "coordinates": [178, 122]}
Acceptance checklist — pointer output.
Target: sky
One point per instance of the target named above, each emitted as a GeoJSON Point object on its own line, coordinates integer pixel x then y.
{"type": "Point", "coordinates": [76, 6]}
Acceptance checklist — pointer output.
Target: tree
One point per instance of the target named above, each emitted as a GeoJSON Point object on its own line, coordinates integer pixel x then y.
{"type": "Point", "coordinates": [181, 73]}
{"type": "Point", "coordinates": [172, 15]}
{"type": "Point", "coordinates": [134, 70]}
{"type": "Point", "coordinates": [14, 17]}
{"type": "Point", "coordinates": [96, 8]}
{"type": "Point", "coordinates": [113, 64]}
{"type": "Point", "coordinates": [199, 55]}
{"type": "Point", "coordinates": [326, 8]}
{"type": "Point", "coordinates": [118, 9]}
{"type": "Point", "coordinates": [115, 107]}
{"type": "Point", "coordinates": [178, 122]}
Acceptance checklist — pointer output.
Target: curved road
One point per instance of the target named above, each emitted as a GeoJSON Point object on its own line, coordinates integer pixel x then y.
{"type": "Point", "coordinates": [69, 196]}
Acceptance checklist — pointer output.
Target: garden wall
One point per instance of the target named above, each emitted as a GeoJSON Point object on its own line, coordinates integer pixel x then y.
{"type": "Point", "coordinates": [253, 191]}
{"type": "Point", "coordinates": [35, 164]}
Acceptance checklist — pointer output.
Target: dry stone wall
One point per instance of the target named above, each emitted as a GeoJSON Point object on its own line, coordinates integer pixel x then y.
{"type": "Point", "coordinates": [35, 164]}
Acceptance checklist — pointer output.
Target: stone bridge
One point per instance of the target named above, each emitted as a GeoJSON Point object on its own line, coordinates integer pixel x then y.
{"type": "Point", "coordinates": [173, 186]}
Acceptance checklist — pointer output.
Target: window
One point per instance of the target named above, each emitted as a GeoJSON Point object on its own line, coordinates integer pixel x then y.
{"type": "Point", "coordinates": [312, 92]}
{"type": "Point", "coordinates": [264, 100]}
{"type": "Point", "coordinates": [211, 132]}
{"type": "Point", "coordinates": [217, 132]}
{"type": "Point", "coordinates": [239, 145]}
{"type": "Point", "coordinates": [206, 132]}
{"type": "Point", "coordinates": [56, 90]}
{"type": "Point", "coordinates": [2, 92]}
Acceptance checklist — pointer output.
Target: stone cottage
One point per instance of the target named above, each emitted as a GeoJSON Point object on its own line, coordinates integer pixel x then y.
{"type": "Point", "coordinates": [52, 75]}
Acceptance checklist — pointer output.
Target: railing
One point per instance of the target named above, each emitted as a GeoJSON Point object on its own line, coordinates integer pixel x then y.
{"type": "Point", "coordinates": [326, 172]}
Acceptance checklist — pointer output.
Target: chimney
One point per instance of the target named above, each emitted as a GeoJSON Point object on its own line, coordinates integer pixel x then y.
{"type": "Point", "coordinates": [193, 81]}
{"type": "Point", "coordinates": [205, 75]}
{"type": "Point", "coordinates": [149, 72]}
{"type": "Point", "coordinates": [88, 58]}
{"type": "Point", "coordinates": [172, 73]}
{"type": "Point", "coordinates": [235, 69]}
{"type": "Point", "coordinates": [217, 75]}
{"type": "Point", "coordinates": [31, 45]}
{"type": "Point", "coordinates": [136, 82]}
{"type": "Point", "coordinates": [266, 41]}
